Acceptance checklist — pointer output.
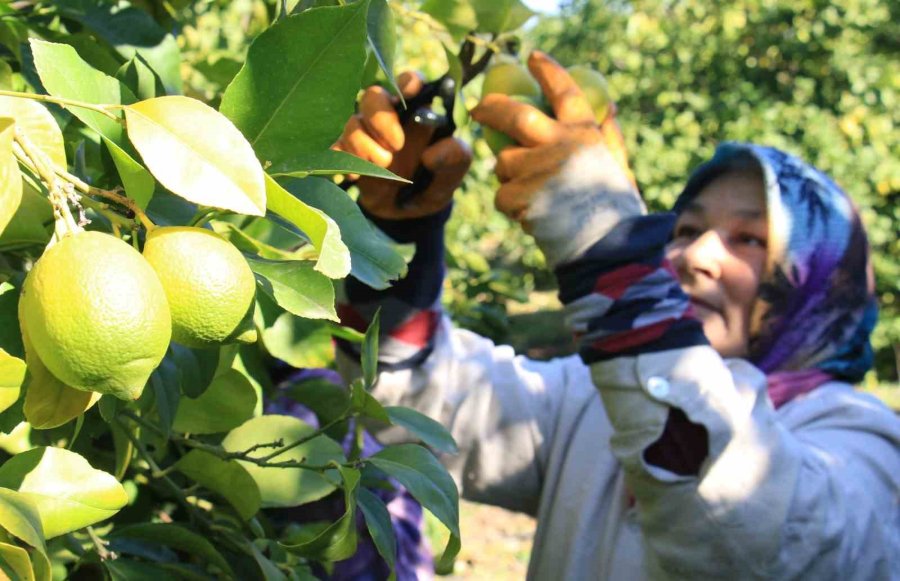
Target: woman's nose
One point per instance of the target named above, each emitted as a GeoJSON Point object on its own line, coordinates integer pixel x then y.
{"type": "Point", "coordinates": [704, 255]}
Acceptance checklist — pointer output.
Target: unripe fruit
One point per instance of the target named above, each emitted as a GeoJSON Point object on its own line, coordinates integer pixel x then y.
{"type": "Point", "coordinates": [210, 286]}
{"type": "Point", "coordinates": [593, 84]}
{"type": "Point", "coordinates": [96, 314]}
{"type": "Point", "coordinates": [508, 77]}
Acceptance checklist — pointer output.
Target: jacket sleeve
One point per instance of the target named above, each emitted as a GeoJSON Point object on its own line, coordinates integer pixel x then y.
{"type": "Point", "coordinates": [808, 491]}
{"type": "Point", "coordinates": [501, 409]}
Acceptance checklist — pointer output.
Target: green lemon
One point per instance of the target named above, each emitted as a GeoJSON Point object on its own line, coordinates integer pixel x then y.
{"type": "Point", "coordinates": [96, 314]}
{"type": "Point", "coordinates": [509, 77]}
{"type": "Point", "coordinates": [593, 84]}
{"type": "Point", "coordinates": [210, 286]}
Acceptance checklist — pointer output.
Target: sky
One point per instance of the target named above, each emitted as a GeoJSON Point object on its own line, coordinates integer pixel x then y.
{"type": "Point", "coordinates": [545, 6]}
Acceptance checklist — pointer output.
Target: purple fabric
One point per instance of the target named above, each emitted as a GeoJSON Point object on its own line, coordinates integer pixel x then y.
{"type": "Point", "coordinates": [816, 305]}
{"type": "Point", "coordinates": [414, 559]}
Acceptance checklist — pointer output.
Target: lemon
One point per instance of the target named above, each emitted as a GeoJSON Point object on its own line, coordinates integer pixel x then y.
{"type": "Point", "coordinates": [508, 77]}
{"type": "Point", "coordinates": [96, 314]}
{"type": "Point", "coordinates": [595, 88]}
{"type": "Point", "coordinates": [210, 287]}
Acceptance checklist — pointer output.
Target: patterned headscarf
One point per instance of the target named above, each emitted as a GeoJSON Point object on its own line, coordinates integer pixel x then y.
{"type": "Point", "coordinates": [816, 305]}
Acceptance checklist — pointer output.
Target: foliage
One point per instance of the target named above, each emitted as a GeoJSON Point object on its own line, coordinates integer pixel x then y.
{"type": "Point", "coordinates": [817, 78]}
{"type": "Point", "coordinates": [124, 117]}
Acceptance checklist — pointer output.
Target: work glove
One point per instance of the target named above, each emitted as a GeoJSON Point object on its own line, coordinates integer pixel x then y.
{"type": "Point", "coordinates": [375, 134]}
{"type": "Point", "coordinates": [569, 183]}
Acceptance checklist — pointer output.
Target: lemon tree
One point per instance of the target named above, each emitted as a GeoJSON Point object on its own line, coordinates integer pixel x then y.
{"type": "Point", "coordinates": [168, 228]}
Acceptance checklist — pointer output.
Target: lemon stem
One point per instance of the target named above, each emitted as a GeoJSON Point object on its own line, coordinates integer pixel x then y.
{"type": "Point", "coordinates": [112, 195]}
{"type": "Point", "coordinates": [102, 109]}
{"type": "Point", "coordinates": [36, 160]}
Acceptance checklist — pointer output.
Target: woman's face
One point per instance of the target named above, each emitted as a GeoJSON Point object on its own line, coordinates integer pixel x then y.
{"type": "Point", "coordinates": [719, 253]}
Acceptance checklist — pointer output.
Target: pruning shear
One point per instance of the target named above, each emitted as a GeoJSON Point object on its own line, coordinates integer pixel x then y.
{"type": "Point", "coordinates": [418, 110]}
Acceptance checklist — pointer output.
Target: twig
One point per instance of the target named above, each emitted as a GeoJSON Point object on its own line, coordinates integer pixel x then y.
{"type": "Point", "coordinates": [301, 441]}
{"type": "Point", "coordinates": [109, 195]}
{"type": "Point", "coordinates": [100, 545]}
{"type": "Point", "coordinates": [103, 110]}
{"type": "Point", "coordinates": [162, 475]}
{"type": "Point", "coordinates": [37, 161]}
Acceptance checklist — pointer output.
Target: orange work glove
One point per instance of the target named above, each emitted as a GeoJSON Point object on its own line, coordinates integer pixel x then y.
{"type": "Point", "coordinates": [569, 183]}
{"type": "Point", "coordinates": [375, 135]}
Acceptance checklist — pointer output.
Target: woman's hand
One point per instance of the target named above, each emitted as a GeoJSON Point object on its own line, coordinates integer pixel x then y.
{"type": "Point", "coordinates": [569, 183]}
{"type": "Point", "coordinates": [375, 134]}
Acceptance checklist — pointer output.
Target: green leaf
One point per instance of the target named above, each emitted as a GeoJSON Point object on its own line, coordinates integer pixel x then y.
{"type": "Point", "coordinates": [122, 445]}
{"type": "Point", "coordinates": [369, 353]}
{"type": "Point", "coordinates": [127, 570]}
{"type": "Point", "coordinates": [303, 103]}
{"type": "Point", "coordinates": [176, 537]}
{"type": "Point", "coordinates": [12, 375]}
{"type": "Point", "coordinates": [267, 569]}
{"type": "Point", "coordinates": [227, 478]}
{"type": "Point", "coordinates": [131, 32]}
{"type": "Point", "coordinates": [38, 125]}
{"type": "Point", "coordinates": [323, 232]}
{"type": "Point", "coordinates": [457, 16]}
{"type": "Point", "coordinates": [284, 487]}
{"type": "Point", "coordinates": [32, 224]}
{"type": "Point", "coordinates": [165, 381]}
{"type": "Point", "coordinates": [218, 68]}
{"type": "Point", "coordinates": [338, 541]}
{"type": "Point", "coordinates": [197, 154]}
{"type": "Point", "coordinates": [40, 564]}
{"type": "Point", "coordinates": [49, 402]}
{"type": "Point", "coordinates": [10, 179]}
{"type": "Point", "coordinates": [330, 162]}
{"type": "Point", "coordinates": [19, 517]}
{"type": "Point", "coordinates": [143, 81]}
{"type": "Point", "coordinates": [15, 565]}
{"type": "Point", "coordinates": [423, 476]}
{"type": "Point", "coordinates": [196, 368]}
{"type": "Point", "coordinates": [298, 341]}
{"type": "Point", "coordinates": [227, 403]}
{"type": "Point", "coordinates": [429, 431]}
{"type": "Point", "coordinates": [378, 522]}
{"type": "Point", "coordinates": [374, 261]}
{"type": "Point", "coordinates": [64, 74]}
{"type": "Point", "coordinates": [136, 180]}
{"type": "Point", "coordinates": [248, 244]}
{"type": "Point", "coordinates": [365, 404]}
{"type": "Point", "coordinates": [501, 15]}
{"type": "Point", "coordinates": [328, 401]}
{"type": "Point", "coordinates": [296, 287]}
{"type": "Point", "coordinates": [10, 333]}
{"type": "Point", "coordinates": [69, 494]}
{"type": "Point", "coordinates": [382, 36]}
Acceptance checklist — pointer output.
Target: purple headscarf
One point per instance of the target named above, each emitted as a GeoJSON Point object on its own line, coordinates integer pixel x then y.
{"type": "Point", "coordinates": [816, 305]}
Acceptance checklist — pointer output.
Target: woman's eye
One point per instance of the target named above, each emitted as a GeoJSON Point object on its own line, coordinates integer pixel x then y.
{"type": "Point", "coordinates": [751, 240]}
{"type": "Point", "coordinates": [685, 231]}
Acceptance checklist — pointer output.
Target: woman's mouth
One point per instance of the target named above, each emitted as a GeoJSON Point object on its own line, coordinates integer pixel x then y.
{"type": "Point", "coordinates": [702, 306]}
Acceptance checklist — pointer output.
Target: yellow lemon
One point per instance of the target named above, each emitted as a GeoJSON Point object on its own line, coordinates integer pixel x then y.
{"type": "Point", "coordinates": [96, 314]}
{"type": "Point", "coordinates": [210, 286]}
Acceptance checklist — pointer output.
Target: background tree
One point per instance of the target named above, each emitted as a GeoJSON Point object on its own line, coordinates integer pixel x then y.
{"type": "Point", "coordinates": [818, 78]}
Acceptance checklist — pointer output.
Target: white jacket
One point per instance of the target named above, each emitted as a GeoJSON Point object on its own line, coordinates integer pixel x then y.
{"type": "Point", "coordinates": [808, 491]}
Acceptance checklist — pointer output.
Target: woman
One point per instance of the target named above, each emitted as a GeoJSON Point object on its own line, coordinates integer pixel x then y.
{"type": "Point", "coordinates": [727, 440]}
